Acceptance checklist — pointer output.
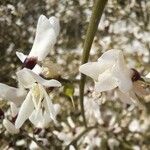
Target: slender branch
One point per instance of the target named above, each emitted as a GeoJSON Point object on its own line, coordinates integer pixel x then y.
{"type": "Point", "coordinates": [33, 139]}
{"type": "Point", "coordinates": [73, 142]}
{"type": "Point", "coordinates": [92, 28]}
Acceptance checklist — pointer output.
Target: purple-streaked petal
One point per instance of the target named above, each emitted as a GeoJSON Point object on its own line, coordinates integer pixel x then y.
{"type": "Point", "coordinates": [25, 111]}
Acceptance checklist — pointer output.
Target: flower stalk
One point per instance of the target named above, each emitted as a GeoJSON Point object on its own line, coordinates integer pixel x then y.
{"type": "Point", "coordinates": [92, 28]}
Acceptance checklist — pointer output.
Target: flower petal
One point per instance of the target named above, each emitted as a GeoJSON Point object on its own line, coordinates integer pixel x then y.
{"type": "Point", "coordinates": [122, 74]}
{"type": "Point", "coordinates": [10, 127]}
{"type": "Point", "coordinates": [127, 98]}
{"type": "Point", "coordinates": [44, 40]}
{"type": "Point", "coordinates": [124, 97]}
{"type": "Point", "coordinates": [15, 95]}
{"type": "Point", "coordinates": [14, 109]}
{"type": "Point", "coordinates": [21, 56]}
{"type": "Point", "coordinates": [91, 69]}
{"type": "Point", "coordinates": [25, 110]}
{"type": "Point", "coordinates": [27, 77]}
{"type": "Point", "coordinates": [109, 58]}
{"type": "Point", "coordinates": [55, 24]}
{"type": "Point", "coordinates": [37, 69]}
{"type": "Point", "coordinates": [49, 105]}
{"type": "Point", "coordinates": [105, 82]}
{"type": "Point", "coordinates": [40, 119]}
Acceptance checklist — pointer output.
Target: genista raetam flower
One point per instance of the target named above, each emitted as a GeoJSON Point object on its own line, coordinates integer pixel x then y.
{"type": "Point", "coordinates": [45, 39]}
{"type": "Point", "coordinates": [110, 72]}
{"type": "Point", "coordinates": [37, 105]}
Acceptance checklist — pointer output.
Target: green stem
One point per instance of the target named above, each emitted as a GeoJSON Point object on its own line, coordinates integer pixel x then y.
{"type": "Point", "coordinates": [92, 28]}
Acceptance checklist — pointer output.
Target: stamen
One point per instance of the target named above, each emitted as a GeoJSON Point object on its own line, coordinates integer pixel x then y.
{"type": "Point", "coordinates": [30, 62]}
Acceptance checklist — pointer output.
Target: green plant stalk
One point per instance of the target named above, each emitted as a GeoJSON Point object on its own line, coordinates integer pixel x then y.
{"type": "Point", "coordinates": [97, 11]}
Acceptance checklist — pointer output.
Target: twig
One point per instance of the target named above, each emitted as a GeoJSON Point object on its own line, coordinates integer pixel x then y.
{"type": "Point", "coordinates": [33, 139]}
{"type": "Point", "coordinates": [73, 142]}
{"type": "Point", "coordinates": [92, 28]}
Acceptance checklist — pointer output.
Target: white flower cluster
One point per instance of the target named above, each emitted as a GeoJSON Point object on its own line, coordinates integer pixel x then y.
{"type": "Point", "coordinates": [30, 99]}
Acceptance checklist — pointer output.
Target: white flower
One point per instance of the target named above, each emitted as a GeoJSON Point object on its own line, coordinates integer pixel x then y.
{"type": "Point", "coordinates": [10, 127]}
{"type": "Point", "coordinates": [45, 38]}
{"type": "Point", "coordinates": [37, 105]}
{"type": "Point", "coordinates": [110, 72]}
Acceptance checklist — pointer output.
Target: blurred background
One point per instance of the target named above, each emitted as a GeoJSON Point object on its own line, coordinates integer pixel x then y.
{"type": "Point", "coordinates": [124, 25]}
